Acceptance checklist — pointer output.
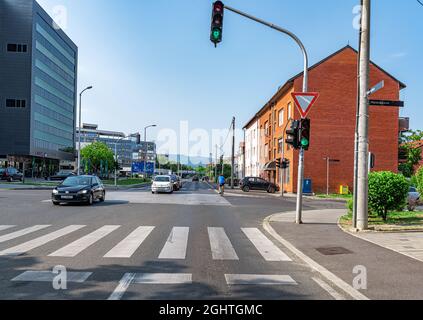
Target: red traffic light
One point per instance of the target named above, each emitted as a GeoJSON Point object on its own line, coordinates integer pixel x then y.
{"type": "Point", "coordinates": [218, 6]}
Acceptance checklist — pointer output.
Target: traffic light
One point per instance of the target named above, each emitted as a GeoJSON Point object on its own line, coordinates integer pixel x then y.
{"type": "Point", "coordinates": [138, 137]}
{"type": "Point", "coordinates": [217, 22]}
{"type": "Point", "coordinates": [279, 163]}
{"type": "Point", "coordinates": [305, 134]}
{"type": "Point", "coordinates": [285, 164]}
{"type": "Point", "coordinates": [293, 134]}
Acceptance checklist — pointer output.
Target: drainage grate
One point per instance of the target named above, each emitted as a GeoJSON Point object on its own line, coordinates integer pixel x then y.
{"type": "Point", "coordinates": [331, 251]}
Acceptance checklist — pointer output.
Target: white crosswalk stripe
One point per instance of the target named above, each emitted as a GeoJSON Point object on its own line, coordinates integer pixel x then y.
{"type": "Point", "coordinates": [176, 244]}
{"type": "Point", "coordinates": [38, 242]}
{"type": "Point", "coordinates": [48, 276]}
{"type": "Point", "coordinates": [127, 247]}
{"type": "Point", "coordinates": [259, 279]}
{"type": "Point", "coordinates": [83, 243]}
{"type": "Point", "coordinates": [6, 227]}
{"type": "Point", "coordinates": [23, 232]}
{"type": "Point", "coordinates": [267, 248]}
{"type": "Point", "coordinates": [221, 246]}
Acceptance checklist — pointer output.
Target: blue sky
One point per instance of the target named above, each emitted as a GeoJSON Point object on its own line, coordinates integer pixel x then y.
{"type": "Point", "coordinates": [152, 61]}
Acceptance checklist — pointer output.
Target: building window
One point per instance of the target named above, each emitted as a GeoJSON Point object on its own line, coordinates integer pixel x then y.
{"type": "Point", "coordinates": [289, 111]}
{"type": "Point", "coordinates": [13, 103]}
{"type": "Point", "coordinates": [281, 117]}
{"type": "Point", "coordinates": [13, 47]}
{"type": "Point", "coordinates": [280, 145]}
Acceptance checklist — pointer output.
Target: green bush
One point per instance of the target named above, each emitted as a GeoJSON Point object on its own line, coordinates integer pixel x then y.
{"type": "Point", "coordinates": [387, 191]}
{"type": "Point", "coordinates": [350, 204]}
{"type": "Point", "coordinates": [419, 180]}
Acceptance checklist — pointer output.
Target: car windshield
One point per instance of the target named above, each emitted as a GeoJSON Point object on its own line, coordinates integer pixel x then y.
{"type": "Point", "coordinates": [162, 179]}
{"type": "Point", "coordinates": [77, 181]}
{"type": "Point", "coordinates": [413, 190]}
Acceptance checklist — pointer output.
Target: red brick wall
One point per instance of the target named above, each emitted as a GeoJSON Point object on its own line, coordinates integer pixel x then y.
{"type": "Point", "coordinates": [333, 121]}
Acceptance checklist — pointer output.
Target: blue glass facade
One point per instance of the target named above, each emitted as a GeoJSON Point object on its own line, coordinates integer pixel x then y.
{"type": "Point", "coordinates": [54, 68]}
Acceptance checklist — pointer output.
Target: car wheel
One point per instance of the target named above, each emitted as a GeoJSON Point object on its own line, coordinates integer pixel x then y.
{"type": "Point", "coordinates": [90, 200]}
{"type": "Point", "coordinates": [246, 189]}
{"type": "Point", "coordinates": [10, 179]}
{"type": "Point", "coordinates": [56, 203]}
{"type": "Point", "coordinates": [103, 197]}
{"type": "Point", "coordinates": [271, 190]}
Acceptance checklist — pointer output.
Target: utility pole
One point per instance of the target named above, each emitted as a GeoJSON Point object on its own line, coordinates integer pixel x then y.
{"type": "Point", "coordinates": [215, 167]}
{"type": "Point", "coordinates": [355, 192]}
{"type": "Point", "coordinates": [233, 154]}
{"type": "Point", "coordinates": [363, 130]}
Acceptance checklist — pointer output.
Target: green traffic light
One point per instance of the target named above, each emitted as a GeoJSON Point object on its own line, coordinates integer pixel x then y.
{"type": "Point", "coordinates": [216, 34]}
{"type": "Point", "coordinates": [305, 142]}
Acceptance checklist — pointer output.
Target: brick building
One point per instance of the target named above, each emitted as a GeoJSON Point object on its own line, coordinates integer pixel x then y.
{"type": "Point", "coordinates": [333, 121]}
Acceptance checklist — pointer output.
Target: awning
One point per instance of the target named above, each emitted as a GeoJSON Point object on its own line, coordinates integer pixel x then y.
{"type": "Point", "coordinates": [270, 166]}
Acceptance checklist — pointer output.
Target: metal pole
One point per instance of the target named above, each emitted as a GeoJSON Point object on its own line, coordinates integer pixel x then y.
{"type": "Point", "coordinates": [305, 88]}
{"type": "Point", "coordinates": [363, 130]}
{"type": "Point", "coordinates": [327, 175]}
{"type": "Point", "coordinates": [215, 167]}
{"type": "Point", "coordinates": [116, 164]}
{"type": "Point", "coordinates": [233, 155]}
{"type": "Point", "coordinates": [355, 193]}
{"type": "Point", "coordinates": [79, 135]}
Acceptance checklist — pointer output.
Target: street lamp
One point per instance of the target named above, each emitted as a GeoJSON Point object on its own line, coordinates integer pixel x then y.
{"type": "Point", "coordinates": [80, 128]}
{"type": "Point", "coordinates": [145, 145]}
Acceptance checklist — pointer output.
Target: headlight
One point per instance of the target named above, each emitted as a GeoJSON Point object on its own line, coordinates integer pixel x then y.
{"type": "Point", "coordinates": [83, 192]}
{"type": "Point", "coordinates": [55, 191]}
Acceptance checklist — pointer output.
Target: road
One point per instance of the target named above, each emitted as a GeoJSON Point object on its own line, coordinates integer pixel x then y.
{"type": "Point", "coordinates": [193, 244]}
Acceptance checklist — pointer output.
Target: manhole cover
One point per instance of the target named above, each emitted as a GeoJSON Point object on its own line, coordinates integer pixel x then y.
{"type": "Point", "coordinates": [331, 251]}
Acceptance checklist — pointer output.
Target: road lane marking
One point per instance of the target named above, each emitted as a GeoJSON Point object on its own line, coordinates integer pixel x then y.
{"type": "Point", "coordinates": [163, 278]}
{"type": "Point", "coordinates": [38, 242]}
{"type": "Point", "coordinates": [354, 293]}
{"type": "Point", "coordinates": [176, 244]}
{"type": "Point", "coordinates": [221, 246]}
{"type": "Point", "coordinates": [267, 248]}
{"type": "Point", "coordinates": [48, 276]}
{"type": "Point", "coordinates": [123, 285]}
{"type": "Point", "coordinates": [329, 289]}
{"type": "Point", "coordinates": [20, 233]}
{"type": "Point", "coordinates": [127, 247]}
{"type": "Point", "coordinates": [6, 227]}
{"type": "Point", "coordinates": [258, 279]}
{"type": "Point", "coordinates": [149, 278]}
{"type": "Point", "coordinates": [83, 243]}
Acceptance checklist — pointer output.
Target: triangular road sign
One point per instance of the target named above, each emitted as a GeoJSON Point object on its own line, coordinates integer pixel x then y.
{"type": "Point", "coordinates": [304, 101]}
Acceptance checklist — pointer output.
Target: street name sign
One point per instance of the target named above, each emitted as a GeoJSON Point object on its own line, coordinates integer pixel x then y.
{"type": "Point", "coordinates": [304, 101]}
{"type": "Point", "coordinates": [386, 103]}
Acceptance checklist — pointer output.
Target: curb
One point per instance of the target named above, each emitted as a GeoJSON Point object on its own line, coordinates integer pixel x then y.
{"type": "Point", "coordinates": [325, 273]}
{"type": "Point", "coordinates": [355, 232]}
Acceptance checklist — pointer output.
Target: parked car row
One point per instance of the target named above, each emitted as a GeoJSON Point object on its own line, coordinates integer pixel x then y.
{"type": "Point", "coordinates": [10, 174]}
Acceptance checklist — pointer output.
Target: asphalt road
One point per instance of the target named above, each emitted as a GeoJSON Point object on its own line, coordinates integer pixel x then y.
{"type": "Point", "coordinates": [193, 244]}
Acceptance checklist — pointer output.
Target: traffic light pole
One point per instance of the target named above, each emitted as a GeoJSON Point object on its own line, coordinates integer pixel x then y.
{"type": "Point", "coordinates": [305, 88]}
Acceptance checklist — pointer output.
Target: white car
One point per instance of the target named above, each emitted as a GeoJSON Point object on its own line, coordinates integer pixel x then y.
{"type": "Point", "coordinates": [413, 198]}
{"type": "Point", "coordinates": [162, 184]}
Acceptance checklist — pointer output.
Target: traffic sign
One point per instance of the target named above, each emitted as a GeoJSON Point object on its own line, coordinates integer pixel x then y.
{"type": "Point", "coordinates": [304, 101]}
{"type": "Point", "coordinates": [386, 103]}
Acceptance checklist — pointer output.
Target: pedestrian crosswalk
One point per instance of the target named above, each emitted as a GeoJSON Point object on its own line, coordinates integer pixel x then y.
{"type": "Point", "coordinates": [176, 244]}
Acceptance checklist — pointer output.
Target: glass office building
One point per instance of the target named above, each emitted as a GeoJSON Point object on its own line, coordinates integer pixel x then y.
{"type": "Point", "coordinates": [38, 84]}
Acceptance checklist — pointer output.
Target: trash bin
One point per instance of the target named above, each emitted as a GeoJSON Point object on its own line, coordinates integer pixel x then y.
{"type": "Point", "coordinates": [344, 190]}
{"type": "Point", "coordinates": [307, 186]}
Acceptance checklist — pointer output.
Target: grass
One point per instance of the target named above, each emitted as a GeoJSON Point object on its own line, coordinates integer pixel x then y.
{"type": "Point", "coordinates": [396, 218]}
{"type": "Point", "coordinates": [335, 196]}
{"type": "Point", "coordinates": [126, 182]}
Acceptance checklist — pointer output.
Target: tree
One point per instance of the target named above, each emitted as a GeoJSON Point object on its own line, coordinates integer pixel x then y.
{"type": "Point", "coordinates": [410, 151]}
{"type": "Point", "coordinates": [419, 179]}
{"type": "Point", "coordinates": [387, 191]}
{"type": "Point", "coordinates": [98, 155]}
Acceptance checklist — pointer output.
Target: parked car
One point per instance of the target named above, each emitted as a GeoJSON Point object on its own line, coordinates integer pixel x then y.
{"type": "Point", "coordinates": [62, 175]}
{"type": "Point", "coordinates": [195, 179]}
{"type": "Point", "coordinates": [162, 184]}
{"type": "Point", "coordinates": [413, 198]}
{"type": "Point", "coordinates": [236, 182]}
{"type": "Point", "coordinates": [79, 189]}
{"type": "Point", "coordinates": [255, 183]}
{"type": "Point", "coordinates": [10, 174]}
{"type": "Point", "coordinates": [205, 179]}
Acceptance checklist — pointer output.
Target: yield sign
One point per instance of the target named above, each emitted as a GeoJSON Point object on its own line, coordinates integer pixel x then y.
{"type": "Point", "coordinates": [304, 101]}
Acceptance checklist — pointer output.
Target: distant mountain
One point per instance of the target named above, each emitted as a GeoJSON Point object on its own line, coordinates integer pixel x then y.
{"type": "Point", "coordinates": [191, 161]}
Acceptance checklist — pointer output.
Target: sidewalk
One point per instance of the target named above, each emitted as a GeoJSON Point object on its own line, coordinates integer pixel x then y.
{"type": "Point", "coordinates": [390, 274]}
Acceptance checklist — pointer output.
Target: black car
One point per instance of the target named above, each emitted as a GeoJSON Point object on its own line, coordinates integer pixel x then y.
{"type": "Point", "coordinates": [10, 174]}
{"type": "Point", "coordinates": [61, 175]}
{"type": "Point", "coordinates": [195, 179]}
{"type": "Point", "coordinates": [255, 183]}
{"type": "Point", "coordinates": [79, 189]}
